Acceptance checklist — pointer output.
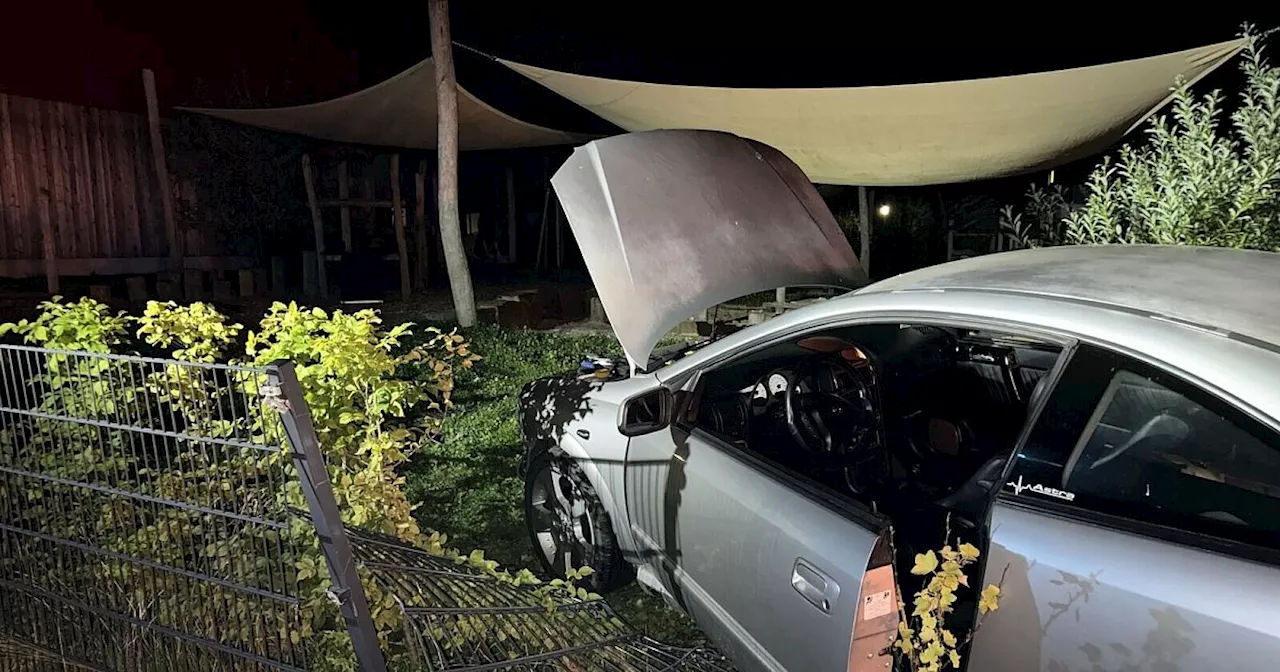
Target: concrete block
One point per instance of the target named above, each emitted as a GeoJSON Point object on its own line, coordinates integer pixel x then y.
{"type": "Point", "coordinates": [310, 275]}
{"type": "Point", "coordinates": [136, 286]}
{"type": "Point", "coordinates": [278, 285]}
{"type": "Point", "coordinates": [513, 314]}
{"type": "Point", "coordinates": [193, 285]}
{"type": "Point", "coordinates": [597, 310]}
{"type": "Point", "coordinates": [100, 292]}
{"type": "Point", "coordinates": [246, 278]}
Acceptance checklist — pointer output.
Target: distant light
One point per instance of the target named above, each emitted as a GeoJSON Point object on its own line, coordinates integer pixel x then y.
{"type": "Point", "coordinates": [885, 210]}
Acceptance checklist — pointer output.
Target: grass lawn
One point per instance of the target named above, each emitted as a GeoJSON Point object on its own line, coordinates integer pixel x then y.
{"type": "Point", "coordinates": [467, 485]}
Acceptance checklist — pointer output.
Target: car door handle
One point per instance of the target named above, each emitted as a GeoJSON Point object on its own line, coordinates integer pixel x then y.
{"type": "Point", "coordinates": [584, 434]}
{"type": "Point", "coordinates": [813, 585]}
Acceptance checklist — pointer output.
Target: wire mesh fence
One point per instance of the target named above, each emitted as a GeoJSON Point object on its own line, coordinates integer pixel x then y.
{"type": "Point", "coordinates": [143, 522]}
{"type": "Point", "coordinates": [153, 514]}
{"type": "Point", "coordinates": [458, 618]}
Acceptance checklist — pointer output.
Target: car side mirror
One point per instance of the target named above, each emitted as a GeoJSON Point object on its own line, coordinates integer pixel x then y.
{"type": "Point", "coordinates": [646, 413]}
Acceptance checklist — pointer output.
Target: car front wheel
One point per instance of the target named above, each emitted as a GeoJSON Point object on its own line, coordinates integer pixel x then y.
{"type": "Point", "coordinates": [568, 524]}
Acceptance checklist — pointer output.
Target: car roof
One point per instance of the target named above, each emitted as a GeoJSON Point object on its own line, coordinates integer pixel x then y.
{"type": "Point", "coordinates": [1236, 291]}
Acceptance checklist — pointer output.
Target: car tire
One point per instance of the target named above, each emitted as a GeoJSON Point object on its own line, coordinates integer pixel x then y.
{"type": "Point", "coordinates": [568, 524]}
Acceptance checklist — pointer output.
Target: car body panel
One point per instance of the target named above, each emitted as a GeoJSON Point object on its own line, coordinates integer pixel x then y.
{"type": "Point", "coordinates": [674, 222]}
{"type": "Point", "coordinates": [729, 540]}
{"type": "Point", "coordinates": [1081, 596]}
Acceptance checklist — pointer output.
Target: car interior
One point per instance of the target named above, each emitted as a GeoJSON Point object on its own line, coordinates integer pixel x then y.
{"type": "Point", "coordinates": [915, 422]}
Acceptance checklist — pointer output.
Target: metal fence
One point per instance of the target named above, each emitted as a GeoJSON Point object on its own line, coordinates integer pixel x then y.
{"type": "Point", "coordinates": [457, 618]}
{"type": "Point", "coordinates": [155, 514]}
{"type": "Point", "coordinates": [146, 516]}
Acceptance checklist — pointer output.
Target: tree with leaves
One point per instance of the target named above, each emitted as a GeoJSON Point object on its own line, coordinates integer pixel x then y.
{"type": "Point", "coordinates": [1197, 181]}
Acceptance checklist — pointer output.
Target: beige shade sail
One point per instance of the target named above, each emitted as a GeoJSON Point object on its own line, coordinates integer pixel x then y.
{"type": "Point", "coordinates": [400, 112]}
{"type": "Point", "coordinates": [913, 134]}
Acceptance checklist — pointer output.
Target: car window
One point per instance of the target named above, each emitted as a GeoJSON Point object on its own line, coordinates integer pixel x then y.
{"type": "Point", "coordinates": [1124, 438]}
{"type": "Point", "coordinates": [1157, 449]}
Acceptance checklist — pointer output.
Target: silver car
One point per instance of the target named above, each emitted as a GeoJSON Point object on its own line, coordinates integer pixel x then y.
{"type": "Point", "coordinates": [1103, 422]}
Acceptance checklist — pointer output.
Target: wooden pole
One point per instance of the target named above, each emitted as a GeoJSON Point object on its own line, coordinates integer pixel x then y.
{"type": "Point", "coordinates": [511, 215]}
{"type": "Point", "coordinates": [397, 216]}
{"type": "Point", "coordinates": [864, 230]}
{"type": "Point", "coordinates": [309, 179]}
{"type": "Point", "coordinates": [455, 256]}
{"type": "Point", "coordinates": [559, 237]}
{"type": "Point", "coordinates": [420, 223]}
{"type": "Point", "coordinates": [344, 194]}
{"type": "Point", "coordinates": [162, 170]}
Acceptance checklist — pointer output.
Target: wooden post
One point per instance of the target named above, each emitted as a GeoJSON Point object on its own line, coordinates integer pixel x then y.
{"type": "Point", "coordinates": [420, 223]}
{"type": "Point", "coordinates": [864, 231]}
{"type": "Point", "coordinates": [344, 194]}
{"type": "Point", "coordinates": [162, 171]}
{"type": "Point", "coordinates": [455, 256]}
{"type": "Point", "coordinates": [397, 216]}
{"type": "Point", "coordinates": [511, 215]}
{"type": "Point", "coordinates": [317, 224]}
{"type": "Point", "coordinates": [559, 237]}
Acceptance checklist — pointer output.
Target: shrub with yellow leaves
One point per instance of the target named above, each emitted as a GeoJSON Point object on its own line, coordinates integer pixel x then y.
{"type": "Point", "coordinates": [925, 642]}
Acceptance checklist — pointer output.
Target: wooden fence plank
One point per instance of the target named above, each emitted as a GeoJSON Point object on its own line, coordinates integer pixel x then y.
{"type": "Point", "coordinates": [41, 191]}
{"type": "Point", "coordinates": [13, 226]}
{"type": "Point", "coordinates": [84, 179]}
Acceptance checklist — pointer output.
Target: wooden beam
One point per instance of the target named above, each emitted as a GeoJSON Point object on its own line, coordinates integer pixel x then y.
{"type": "Point", "coordinates": [420, 224]}
{"type": "Point", "coordinates": [344, 193]}
{"type": "Point", "coordinates": [346, 203]}
{"type": "Point", "coordinates": [464, 302]}
{"type": "Point", "coordinates": [162, 167]}
{"type": "Point", "coordinates": [864, 231]}
{"type": "Point", "coordinates": [33, 268]}
{"type": "Point", "coordinates": [559, 236]}
{"type": "Point", "coordinates": [511, 215]}
{"type": "Point", "coordinates": [397, 215]}
{"type": "Point", "coordinates": [317, 224]}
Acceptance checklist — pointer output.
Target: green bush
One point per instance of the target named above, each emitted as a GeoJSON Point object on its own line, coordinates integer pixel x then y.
{"type": "Point", "coordinates": [1197, 181]}
{"type": "Point", "coordinates": [374, 400]}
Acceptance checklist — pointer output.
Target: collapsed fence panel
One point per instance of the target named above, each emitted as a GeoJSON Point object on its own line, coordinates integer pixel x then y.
{"type": "Point", "coordinates": [147, 516]}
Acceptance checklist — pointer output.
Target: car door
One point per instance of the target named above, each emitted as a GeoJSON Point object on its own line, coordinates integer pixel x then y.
{"type": "Point", "coordinates": [1137, 530]}
{"type": "Point", "coordinates": [770, 565]}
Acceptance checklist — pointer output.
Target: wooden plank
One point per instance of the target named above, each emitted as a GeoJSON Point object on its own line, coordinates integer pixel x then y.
{"type": "Point", "coordinates": [150, 218]}
{"type": "Point", "coordinates": [40, 189]}
{"type": "Point", "coordinates": [347, 203]}
{"type": "Point", "coordinates": [344, 193]}
{"type": "Point", "coordinates": [31, 268]}
{"type": "Point", "coordinates": [309, 180]}
{"type": "Point", "coordinates": [60, 197]}
{"type": "Point", "coordinates": [420, 224]}
{"type": "Point", "coordinates": [161, 167]}
{"type": "Point", "coordinates": [511, 215]}
{"type": "Point", "coordinates": [84, 179]}
{"type": "Point", "coordinates": [93, 168]}
{"type": "Point", "coordinates": [105, 175]}
{"type": "Point", "coordinates": [397, 215]}
{"type": "Point", "coordinates": [24, 147]}
{"type": "Point", "coordinates": [126, 186]}
{"type": "Point", "coordinates": [12, 223]}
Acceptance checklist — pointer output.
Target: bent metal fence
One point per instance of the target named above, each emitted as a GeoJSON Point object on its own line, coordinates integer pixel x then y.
{"type": "Point", "coordinates": [146, 516]}
{"type": "Point", "coordinates": [153, 513]}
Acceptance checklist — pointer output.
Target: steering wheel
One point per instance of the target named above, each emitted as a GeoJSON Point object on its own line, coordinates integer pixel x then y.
{"type": "Point", "coordinates": [825, 422]}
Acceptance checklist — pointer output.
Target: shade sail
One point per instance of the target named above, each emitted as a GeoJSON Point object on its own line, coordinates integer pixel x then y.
{"type": "Point", "coordinates": [400, 112]}
{"type": "Point", "coordinates": [913, 134]}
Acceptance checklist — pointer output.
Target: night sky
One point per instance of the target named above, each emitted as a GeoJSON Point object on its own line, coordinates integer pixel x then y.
{"type": "Point", "coordinates": [241, 52]}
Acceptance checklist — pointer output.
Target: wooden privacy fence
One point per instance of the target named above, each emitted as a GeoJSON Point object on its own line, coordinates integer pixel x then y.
{"type": "Point", "coordinates": [77, 185]}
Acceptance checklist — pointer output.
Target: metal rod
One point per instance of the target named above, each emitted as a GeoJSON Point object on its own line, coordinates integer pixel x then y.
{"type": "Point", "coordinates": [317, 489]}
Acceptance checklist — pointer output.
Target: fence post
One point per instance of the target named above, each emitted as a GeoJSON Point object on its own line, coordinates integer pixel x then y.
{"type": "Point", "coordinates": [314, 477]}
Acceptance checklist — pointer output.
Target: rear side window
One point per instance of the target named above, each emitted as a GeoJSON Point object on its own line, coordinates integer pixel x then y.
{"type": "Point", "coordinates": [1135, 442]}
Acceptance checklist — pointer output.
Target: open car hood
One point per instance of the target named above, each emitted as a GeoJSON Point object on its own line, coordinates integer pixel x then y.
{"type": "Point", "coordinates": [671, 223]}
